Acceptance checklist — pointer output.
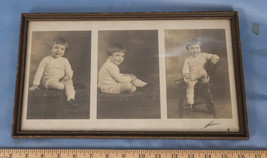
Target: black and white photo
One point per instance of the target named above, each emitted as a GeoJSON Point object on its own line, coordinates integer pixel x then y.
{"type": "Point", "coordinates": [59, 75]}
{"type": "Point", "coordinates": [197, 74]}
{"type": "Point", "coordinates": [128, 76]}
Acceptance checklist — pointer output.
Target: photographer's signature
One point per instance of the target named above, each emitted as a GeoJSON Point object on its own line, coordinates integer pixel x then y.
{"type": "Point", "coordinates": [211, 124]}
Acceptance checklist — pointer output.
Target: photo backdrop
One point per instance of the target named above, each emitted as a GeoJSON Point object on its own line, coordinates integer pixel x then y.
{"type": "Point", "coordinates": [214, 42]}
{"type": "Point", "coordinates": [51, 104]}
{"type": "Point", "coordinates": [141, 59]}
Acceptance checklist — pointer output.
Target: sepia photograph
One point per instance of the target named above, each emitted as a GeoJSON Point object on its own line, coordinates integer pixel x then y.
{"type": "Point", "coordinates": [59, 79]}
{"type": "Point", "coordinates": [128, 75]}
{"type": "Point", "coordinates": [197, 74]}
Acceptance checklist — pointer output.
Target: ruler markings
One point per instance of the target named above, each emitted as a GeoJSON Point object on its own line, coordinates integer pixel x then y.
{"type": "Point", "coordinates": [88, 153]}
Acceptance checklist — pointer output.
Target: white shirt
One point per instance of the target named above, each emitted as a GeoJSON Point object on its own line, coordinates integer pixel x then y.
{"type": "Point", "coordinates": [109, 75]}
{"type": "Point", "coordinates": [194, 65]}
{"type": "Point", "coordinates": [52, 68]}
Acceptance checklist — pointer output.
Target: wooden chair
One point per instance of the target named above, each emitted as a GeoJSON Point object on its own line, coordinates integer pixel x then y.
{"type": "Point", "coordinates": [205, 87]}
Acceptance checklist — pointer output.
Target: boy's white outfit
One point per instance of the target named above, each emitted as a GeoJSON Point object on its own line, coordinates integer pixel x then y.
{"type": "Point", "coordinates": [53, 70]}
{"type": "Point", "coordinates": [195, 67]}
{"type": "Point", "coordinates": [110, 78]}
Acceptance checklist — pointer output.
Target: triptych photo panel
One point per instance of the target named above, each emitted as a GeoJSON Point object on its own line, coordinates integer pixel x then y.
{"type": "Point", "coordinates": [133, 92]}
{"type": "Point", "coordinates": [207, 88]}
{"type": "Point", "coordinates": [49, 100]}
{"type": "Point", "coordinates": [130, 76]}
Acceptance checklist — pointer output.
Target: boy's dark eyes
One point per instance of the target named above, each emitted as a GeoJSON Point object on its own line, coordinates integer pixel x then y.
{"type": "Point", "coordinates": [194, 48]}
{"type": "Point", "coordinates": [119, 55]}
{"type": "Point", "coordinates": [59, 48]}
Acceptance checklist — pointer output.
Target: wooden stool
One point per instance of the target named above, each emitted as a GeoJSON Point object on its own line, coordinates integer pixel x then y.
{"type": "Point", "coordinates": [199, 86]}
{"type": "Point", "coordinates": [180, 83]}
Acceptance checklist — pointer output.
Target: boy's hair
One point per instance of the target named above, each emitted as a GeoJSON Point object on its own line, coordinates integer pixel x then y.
{"type": "Point", "coordinates": [60, 41]}
{"type": "Point", "coordinates": [115, 47]}
{"type": "Point", "coordinates": [192, 42]}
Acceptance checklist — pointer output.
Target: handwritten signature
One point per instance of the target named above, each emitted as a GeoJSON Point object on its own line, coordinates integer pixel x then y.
{"type": "Point", "coordinates": [211, 124]}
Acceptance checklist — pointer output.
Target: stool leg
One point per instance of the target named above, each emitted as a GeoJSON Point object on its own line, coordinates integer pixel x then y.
{"type": "Point", "coordinates": [196, 94]}
{"type": "Point", "coordinates": [181, 96]}
{"type": "Point", "coordinates": [209, 100]}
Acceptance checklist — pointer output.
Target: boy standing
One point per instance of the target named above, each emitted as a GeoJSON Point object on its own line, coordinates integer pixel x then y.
{"type": "Point", "coordinates": [193, 69]}
{"type": "Point", "coordinates": [110, 80]}
{"type": "Point", "coordinates": [55, 71]}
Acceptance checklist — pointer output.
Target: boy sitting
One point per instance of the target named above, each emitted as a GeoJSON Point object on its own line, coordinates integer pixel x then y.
{"type": "Point", "coordinates": [193, 69]}
{"type": "Point", "coordinates": [55, 71]}
{"type": "Point", "coordinates": [110, 80]}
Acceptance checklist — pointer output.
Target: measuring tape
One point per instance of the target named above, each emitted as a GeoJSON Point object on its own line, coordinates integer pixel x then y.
{"type": "Point", "coordinates": [88, 153]}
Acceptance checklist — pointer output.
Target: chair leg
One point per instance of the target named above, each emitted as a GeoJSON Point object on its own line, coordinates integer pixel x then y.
{"type": "Point", "coordinates": [209, 100]}
{"type": "Point", "coordinates": [181, 96]}
{"type": "Point", "coordinates": [196, 95]}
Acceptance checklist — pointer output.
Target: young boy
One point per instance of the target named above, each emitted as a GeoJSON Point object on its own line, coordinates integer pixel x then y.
{"type": "Point", "coordinates": [55, 71]}
{"type": "Point", "coordinates": [193, 69]}
{"type": "Point", "coordinates": [110, 80]}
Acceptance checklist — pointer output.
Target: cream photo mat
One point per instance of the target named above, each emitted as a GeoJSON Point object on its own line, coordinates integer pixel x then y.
{"type": "Point", "coordinates": [163, 124]}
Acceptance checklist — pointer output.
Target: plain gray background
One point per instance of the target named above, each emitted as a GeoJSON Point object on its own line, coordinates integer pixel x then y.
{"type": "Point", "coordinates": [141, 59]}
{"type": "Point", "coordinates": [212, 42]}
{"type": "Point", "coordinates": [78, 53]}
{"type": "Point", "coordinates": [79, 56]}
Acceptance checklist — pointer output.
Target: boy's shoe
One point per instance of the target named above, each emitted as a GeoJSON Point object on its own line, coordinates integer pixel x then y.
{"type": "Point", "coordinates": [139, 83]}
{"type": "Point", "coordinates": [146, 88]}
{"type": "Point", "coordinates": [190, 108]}
{"type": "Point", "coordinates": [133, 89]}
{"type": "Point", "coordinates": [72, 102]}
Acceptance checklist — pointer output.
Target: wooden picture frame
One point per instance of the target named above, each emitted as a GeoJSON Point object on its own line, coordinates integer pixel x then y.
{"type": "Point", "coordinates": [175, 75]}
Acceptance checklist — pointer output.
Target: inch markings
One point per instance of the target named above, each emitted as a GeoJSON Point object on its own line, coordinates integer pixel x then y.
{"type": "Point", "coordinates": [93, 153]}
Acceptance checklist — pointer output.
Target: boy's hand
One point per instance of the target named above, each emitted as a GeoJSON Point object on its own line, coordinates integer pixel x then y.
{"type": "Point", "coordinates": [187, 75]}
{"type": "Point", "coordinates": [214, 60]}
{"type": "Point", "coordinates": [66, 78]}
{"type": "Point", "coordinates": [34, 87]}
{"type": "Point", "coordinates": [133, 77]}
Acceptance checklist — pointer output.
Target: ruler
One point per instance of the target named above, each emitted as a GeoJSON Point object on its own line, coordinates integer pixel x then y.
{"type": "Point", "coordinates": [88, 153]}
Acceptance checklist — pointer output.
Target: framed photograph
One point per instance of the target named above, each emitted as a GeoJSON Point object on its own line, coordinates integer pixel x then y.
{"type": "Point", "coordinates": [175, 75]}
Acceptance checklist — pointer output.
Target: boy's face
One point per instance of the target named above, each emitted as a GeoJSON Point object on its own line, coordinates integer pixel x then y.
{"type": "Point", "coordinates": [58, 50]}
{"type": "Point", "coordinates": [194, 50]}
{"type": "Point", "coordinates": [117, 58]}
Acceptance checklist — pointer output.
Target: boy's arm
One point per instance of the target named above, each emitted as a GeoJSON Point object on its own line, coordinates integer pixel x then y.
{"type": "Point", "coordinates": [115, 73]}
{"type": "Point", "coordinates": [186, 67]}
{"type": "Point", "coordinates": [212, 57]}
{"type": "Point", "coordinates": [68, 70]}
{"type": "Point", "coordinates": [39, 73]}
